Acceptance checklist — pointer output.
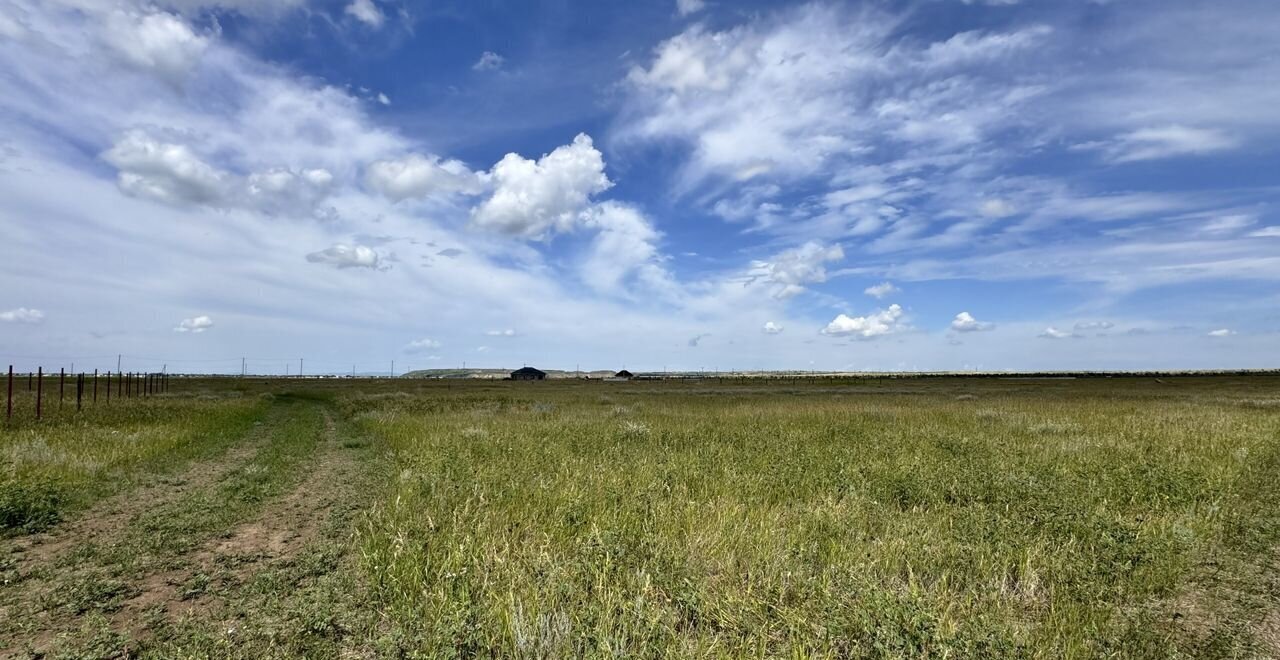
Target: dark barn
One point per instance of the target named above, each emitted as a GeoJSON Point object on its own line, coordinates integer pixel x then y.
{"type": "Point", "coordinates": [624, 374]}
{"type": "Point", "coordinates": [528, 373]}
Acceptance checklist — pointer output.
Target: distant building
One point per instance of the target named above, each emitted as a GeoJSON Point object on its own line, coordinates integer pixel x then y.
{"type": "Point", "coordinates": [624, 374]}
{"type": "Point", "coordinates": [528, 373]}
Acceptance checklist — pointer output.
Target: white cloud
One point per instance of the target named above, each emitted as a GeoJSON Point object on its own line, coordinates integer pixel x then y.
{"type": "Point", "coordinates": [1167, 141]}
{"type": "Point", "coordinates": [420, 345]}
{"type": "Point", "coordinates": [882, 322]}
{"type": "Point", "coordinates": [489, 61]}
{"type": "Point", "coordinates": [1054, 333]}
{"type": "Point", "coordinates": [771, 328]}
{"type": "Point", "coordinates": [509, 332]}
{"type": "Point", "coordinates": [964, 322]}
{"type": "Point", "coordinates": [383, 99]}
{"type": "Point", "coordinates": [625, 245]}
{"type": "Point", "coordinates": [196, 324]}
{"type": "Point", "coordinates": [686, 7]}
{"type": "Point", "coordinates": [157, 42]}
{"type": "Point", "coordinates": [22, 315]}
{"type": "Point", "coordinates": [804, 92]}
{"type": "Point", "coordinates": [345, 256]}
{"type": "Point", "coordinates": [1086, 326]}
{"type": "Point", "coordinates": [280, 189]}
{"type": "Point", "coordinates": [366, 12]}
{"type": "Point", "coordinates": [789, 271]}
{"type": "Point", "coordinates": [881, 290]}
{"type": "Point", "coordinates": [1267, 232]}
{"type": "Point", "coordinates": [996, 208]}
{"type": "Point", "coordinates": [532, 199]}
{"type": "Point", "coordinates": [1222, 332]}
{"type": "Point", "coordinates": [416, 175]}
{"type": "Point", "coordinates": [1228, 223]}
{"type": "Point", "coordinates": [165, 171]}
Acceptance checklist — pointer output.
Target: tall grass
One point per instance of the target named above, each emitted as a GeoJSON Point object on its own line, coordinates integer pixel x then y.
{"type": "Point", "coordinates": [69, 459]}
{"type": "Point", "coordinates": [818, 521]}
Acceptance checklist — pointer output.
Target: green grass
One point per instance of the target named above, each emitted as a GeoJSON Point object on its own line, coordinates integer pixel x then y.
{"type": "Point", "coordinates": [69, 459]}
{"type": "Point", "coordinates": [820, 521]}
{"type": "Point", "coordinates": [848, 518]}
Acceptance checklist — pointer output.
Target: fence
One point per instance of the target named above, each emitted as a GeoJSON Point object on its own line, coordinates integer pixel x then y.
{"type": "Point", "coordinates": [128, 385]}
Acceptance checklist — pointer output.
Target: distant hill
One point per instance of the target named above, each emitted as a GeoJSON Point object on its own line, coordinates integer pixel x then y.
{"type": "Point", "coordinates": [499, 373]}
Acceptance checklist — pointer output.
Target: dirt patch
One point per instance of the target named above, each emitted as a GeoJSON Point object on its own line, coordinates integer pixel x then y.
{"type": "Point", "coordinates": [278, 533]}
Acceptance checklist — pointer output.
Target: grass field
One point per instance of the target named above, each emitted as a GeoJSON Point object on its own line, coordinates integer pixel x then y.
{"type": "Point", "coordinates": [929, 517]}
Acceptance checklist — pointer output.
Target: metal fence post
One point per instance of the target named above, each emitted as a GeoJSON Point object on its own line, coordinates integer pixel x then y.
{"type": "Point", "coordinates": [8, 409]}
{"type": "Point", "coordinates": [39, 389]}
{"type": "Point", "coordinates": [79, 390]}
{"type": "Point", "coordinates": [95, 386]}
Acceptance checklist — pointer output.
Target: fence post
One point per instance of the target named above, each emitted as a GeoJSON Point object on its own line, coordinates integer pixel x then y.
{"type": "Point", "coordinates": [62, 384]}
{"type": "Point", "coordinates": [8, 409]}
{"type": "Point", "coordinates": [39, 389]}
{"type": "Point", "coordinates": [108, 387]}
{"type": "Point", "coordinates": [79, 390]}
{"type": "Point", "coordinates": [28, 381]}
{"type": "Point", "coordinates": [95, 386]}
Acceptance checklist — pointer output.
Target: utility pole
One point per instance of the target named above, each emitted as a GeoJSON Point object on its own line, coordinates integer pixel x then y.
{"type": "Point", "coordinates": [353, 371]}
{"type": "Point", "coordinates": [242, 367]}
{"type": "Point", "coordinates": [299, 367]}
{"type": "Point", "coordinates": [117, 363]}
{"type": "Point", "coordinates": [393, 368]}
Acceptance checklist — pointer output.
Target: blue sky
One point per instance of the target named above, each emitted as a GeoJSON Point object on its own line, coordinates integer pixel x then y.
{"type": "Point", "coordinates": [928, 185]}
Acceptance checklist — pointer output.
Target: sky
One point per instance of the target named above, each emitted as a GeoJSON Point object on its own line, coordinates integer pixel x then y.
{"type": "Point", "coordinates": [694, 184]}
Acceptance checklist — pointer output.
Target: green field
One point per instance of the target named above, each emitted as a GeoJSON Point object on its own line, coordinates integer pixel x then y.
{"type": "Point", "coordinates": [920, 517]}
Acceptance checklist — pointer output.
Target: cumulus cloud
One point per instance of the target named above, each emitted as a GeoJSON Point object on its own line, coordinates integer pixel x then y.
{"type": "Point", "coordinates": [383, 99]}
{"type": "Point", "coordinates": [532, 199]}
{"type": "Point", "coordinates": [624, 246]}
{"type": "Point", "coordinates": [416, 175]}
{"type": "Point", "coordinates": [964, 322]}
{"type": "Point", "coordinates": [789, 271]}
{"type": "Point", "coordinates": [22, 315]}
{"type": "Point", "coordinates": [489, 61]}
{"type": "Point", "coordinates": [881, 290]}
{"type": "Point", "coordinates": [282, 189]}
{"type": "Point", "coordinates": [196, 324]}
{"type": "Point", "coordinates": [882, 322]}
{"type": "Point", "coordinates": [771, 328]}
{"type": "Point", "coordinates": [420, 345]}
{"type": "Point", "coordinates": [345, 256]}
{"type": "Point", "coordinates": [165, 171]}
{"type": "Point", "coordinates": [366, 12]}
{"type": "Point", "coordinates": [1221, 332]}
{"type": "Point", "coordinates": [157, 42]}
{"type": "Point", "coordinates": [1054, 333]}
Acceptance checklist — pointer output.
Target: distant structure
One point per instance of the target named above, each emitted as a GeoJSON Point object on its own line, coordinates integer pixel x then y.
{"type": "Point", "coordinates": [528, 373]}
{"type": "Point", "coordinates": [624, 375]}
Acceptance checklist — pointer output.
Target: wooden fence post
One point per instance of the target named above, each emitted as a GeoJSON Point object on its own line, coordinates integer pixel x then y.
{"type": "Point", "coordinates": [62, 384]}
{"type": "Point", "coordinates": [39, 389]}
{"type": "Point", "coordinates": [8, 409]}
{"type": "Point", "coordinates": [79, 390]}
{"type": "Point", "coordinates": [108, 387]}
{"type": "Point", "coordinates": [95, 386]}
